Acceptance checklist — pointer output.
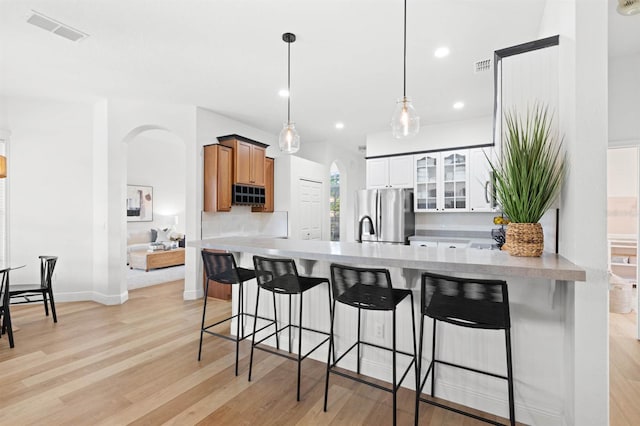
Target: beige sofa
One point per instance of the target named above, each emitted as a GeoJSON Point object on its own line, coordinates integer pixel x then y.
{"type": "Point", "coordinates": [139, 240]}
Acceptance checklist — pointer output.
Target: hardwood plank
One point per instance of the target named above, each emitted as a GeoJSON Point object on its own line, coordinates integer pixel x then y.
{"type": "Point", "coordinates": [136, 363]}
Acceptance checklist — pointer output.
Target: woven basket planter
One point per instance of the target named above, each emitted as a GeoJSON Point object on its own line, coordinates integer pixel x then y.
{"type": "Point", "coordinates": [524, 239]}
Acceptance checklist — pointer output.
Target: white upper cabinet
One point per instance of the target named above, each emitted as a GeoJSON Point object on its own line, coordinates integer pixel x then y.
{"type": "Point", "coordinates": [481, 192]}
{"type": "Point", "coordinates": [390, 172]}
{"type": "Point", "coordinates": [442, 180]}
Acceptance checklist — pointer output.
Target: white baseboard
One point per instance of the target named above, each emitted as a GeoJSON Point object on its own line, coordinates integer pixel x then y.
{"type": "Point", "coordinates": [192, 295]}
{"type": "Point", "coordinates": [84, 296]}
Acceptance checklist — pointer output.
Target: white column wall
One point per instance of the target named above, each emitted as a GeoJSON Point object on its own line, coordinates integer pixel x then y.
{"type": "Point", "coordinates": [583, 100]}
{"type": "Point", "coordinates": [125, 120]}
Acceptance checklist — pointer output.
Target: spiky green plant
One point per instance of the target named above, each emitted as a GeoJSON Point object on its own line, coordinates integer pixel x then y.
{"type": "Point", "coordinates": [529, 175]}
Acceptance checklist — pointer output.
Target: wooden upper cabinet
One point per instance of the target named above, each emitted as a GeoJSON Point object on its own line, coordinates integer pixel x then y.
{"type": "Point", "coordinates": [258, 166]}
{"type": "Point", "coordinates": [268, 187]}
{"type": "Point", "coordinates": [248, 159]}
{"type": "Point", "coordinates": [217, 178]}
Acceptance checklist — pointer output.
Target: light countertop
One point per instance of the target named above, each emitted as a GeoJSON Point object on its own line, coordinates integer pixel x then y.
{"type": "Point", "coordinates": [440, 259]}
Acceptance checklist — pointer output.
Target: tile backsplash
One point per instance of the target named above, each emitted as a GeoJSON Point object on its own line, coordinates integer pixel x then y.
{"type": "Point", "coordinates": [241, 221]}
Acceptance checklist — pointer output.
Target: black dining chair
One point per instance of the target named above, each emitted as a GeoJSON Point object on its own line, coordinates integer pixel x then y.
{"type": "Point", "coordinates": [5, 314]}
{"type": "Point", "coordinates": [42, 292]}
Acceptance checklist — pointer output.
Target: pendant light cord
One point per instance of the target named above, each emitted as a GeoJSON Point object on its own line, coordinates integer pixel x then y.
{"type": "Point", "coordinates": [289, 82]}
{"type": "Point", "coordinates": [404, 86]}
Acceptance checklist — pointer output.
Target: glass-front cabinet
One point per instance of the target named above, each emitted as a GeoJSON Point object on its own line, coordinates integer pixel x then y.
{"type": "Point", "coordinates": [441, 181]}
{"type": "Point", "coordinates": [426, 190]}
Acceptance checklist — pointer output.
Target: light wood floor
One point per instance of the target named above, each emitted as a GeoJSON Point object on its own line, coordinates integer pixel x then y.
{"type": "Point", "coordinates": [624, 370]}
{"type": "Point", "coordinates": [136, 363]}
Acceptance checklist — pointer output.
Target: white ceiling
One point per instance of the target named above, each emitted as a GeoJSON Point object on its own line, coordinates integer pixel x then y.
{"type": "Point", "coordinates": [228, 56]}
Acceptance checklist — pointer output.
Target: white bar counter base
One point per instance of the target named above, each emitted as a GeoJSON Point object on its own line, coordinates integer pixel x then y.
{"type": "Point", "coordinates": [541, 302]}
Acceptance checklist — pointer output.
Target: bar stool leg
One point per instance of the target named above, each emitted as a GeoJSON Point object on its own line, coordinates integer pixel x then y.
{"type": "Point", "coordinates": [275, 320]}
{"type": "Point", "coordinates": [241, 312]}
{"type": "Point", "coordinates": [238, 319]}
{"type": "Point", "coordinates": [299, 346]}
{"type": "Point", "coordinates": [419, 368]}
{"type": "Point", "coordinates": [512, 408]}
{"type": "Point", "coordinates": [433, 360]}
{"type": "Point", "coordinates": [204, 312]}
{"type": "Point", "coordinates": [358, 348]}
{"type": "Point", "coordinates": [253, 337]}
{"type": "Point", "coordinates": [331, 349]}
{"type": "Point", "coordinates": [289, 334]}
{"type": "Point", "coordinates": [395, 387]}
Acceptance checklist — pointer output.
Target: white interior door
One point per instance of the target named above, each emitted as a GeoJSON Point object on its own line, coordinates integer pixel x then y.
{"type": "Point", "coordinates": [310, 209]}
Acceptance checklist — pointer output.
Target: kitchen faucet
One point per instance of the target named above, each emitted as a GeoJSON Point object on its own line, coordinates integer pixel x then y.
{"type": "Point", "coordinates": [372, 231]}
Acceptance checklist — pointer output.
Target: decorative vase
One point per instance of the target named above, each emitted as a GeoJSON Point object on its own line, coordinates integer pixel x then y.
{"type": "Point", "coordinates": [524, 239]}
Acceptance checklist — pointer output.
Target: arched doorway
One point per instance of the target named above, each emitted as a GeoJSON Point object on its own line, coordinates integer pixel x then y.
{"type": "Point", "coordinates": [155, 163]}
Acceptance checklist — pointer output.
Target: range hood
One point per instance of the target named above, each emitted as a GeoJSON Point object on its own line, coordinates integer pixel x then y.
{"type": "Point", "coordinates": [247, 195]}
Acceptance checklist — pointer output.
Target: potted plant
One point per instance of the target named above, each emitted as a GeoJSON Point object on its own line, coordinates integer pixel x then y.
{"type": "Point", "coordinates": [528, 177]}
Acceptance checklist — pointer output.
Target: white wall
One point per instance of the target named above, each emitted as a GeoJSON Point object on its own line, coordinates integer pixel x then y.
{"type": "Point", "coordinates": [51, 186]}
{"type": "Point", "coordinates": [624, 100]}
{"type": "Point", "coordinates": [582, 26]}
{"type": "Point", "coordinates": [156, 158]}
{"type": "Point", "coordinates": [121, 121]}
{"type": "Point", "coordinates": [622, 175]}
{"type": "Point", "coordinates": [465, 133]}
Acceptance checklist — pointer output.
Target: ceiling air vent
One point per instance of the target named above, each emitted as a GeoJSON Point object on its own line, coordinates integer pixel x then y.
{"type": "Point", "coordinates": [628, 7]}
{"type": "Point", "coordinates": [482, 66]}
{"type": "Point", "coordinates": [53, 26]}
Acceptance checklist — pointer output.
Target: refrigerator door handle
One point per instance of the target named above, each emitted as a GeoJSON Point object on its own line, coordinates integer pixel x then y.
{"type": "Point", "coordinates": [379, 217]}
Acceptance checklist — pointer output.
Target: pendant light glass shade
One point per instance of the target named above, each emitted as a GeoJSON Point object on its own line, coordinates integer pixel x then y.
{"type": "Point", "coordinates": [405, 121]}
{"type": "Point", "coordinates": [289, 140]}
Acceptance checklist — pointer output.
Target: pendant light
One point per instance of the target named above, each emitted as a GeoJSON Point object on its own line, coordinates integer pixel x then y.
{"type": "Point", "coordinates": [289, 140]}
{"type": "Point", "coordinates": [405, 121]}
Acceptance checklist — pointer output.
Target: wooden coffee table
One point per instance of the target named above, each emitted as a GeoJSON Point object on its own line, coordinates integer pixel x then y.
{"type": "Point", "coordinates": [156, 259]}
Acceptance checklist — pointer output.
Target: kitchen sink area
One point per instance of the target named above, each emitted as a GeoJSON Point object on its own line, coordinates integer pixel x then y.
{"type": "Point", "coordinates": [454, 238]}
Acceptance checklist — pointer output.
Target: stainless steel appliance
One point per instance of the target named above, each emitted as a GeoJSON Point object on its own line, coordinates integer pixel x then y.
{"type": "Point", "coordinates": [385, 215]}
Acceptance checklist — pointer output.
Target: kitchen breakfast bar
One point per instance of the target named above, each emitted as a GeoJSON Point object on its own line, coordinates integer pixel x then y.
{"type": "Point", "coordinates": [540, 301]}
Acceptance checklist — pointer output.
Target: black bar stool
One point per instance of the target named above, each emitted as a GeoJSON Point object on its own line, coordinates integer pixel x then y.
{"type": "Point", "coordinates": [368, 289]}
{"type": "Point", "coordinates": [222, 268]}
{"type": "Point", "coordinates": [281, 276]}
{"type": "Point", "coordinates": [472, 303]}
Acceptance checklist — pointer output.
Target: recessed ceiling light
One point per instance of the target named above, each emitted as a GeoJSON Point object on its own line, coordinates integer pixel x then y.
{"type": "Point", "coordinates": [284, 93]}
{"type": "Point", "coordinates": [339, 125]}
{"type": "Point", "coordinates": [458, 105]}
{"type": "Point", "coordinates": [441, 52]}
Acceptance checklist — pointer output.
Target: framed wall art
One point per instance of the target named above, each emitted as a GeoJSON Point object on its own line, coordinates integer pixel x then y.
{"type": "Point", "coordinates": [139, 203]}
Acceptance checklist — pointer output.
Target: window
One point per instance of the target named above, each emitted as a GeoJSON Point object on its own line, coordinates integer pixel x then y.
{"type": "Point", "coordinates": [334, 201]}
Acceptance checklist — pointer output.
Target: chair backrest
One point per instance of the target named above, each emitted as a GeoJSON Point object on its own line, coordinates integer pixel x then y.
{"type": "Point", "coordinates": [47, 265]}
{"type": "Point", "coordinates": [277, 274]}
{"type": "Point", "coordinates": [365, 288]}
{"type": "Point", "coordinates": [468, 302]}
{"type": "Point", "coordinates": [220, 267]}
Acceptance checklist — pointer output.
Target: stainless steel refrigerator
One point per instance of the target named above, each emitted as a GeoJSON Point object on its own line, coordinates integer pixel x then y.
{"type": "Point", "coordinates": [385, 215]}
